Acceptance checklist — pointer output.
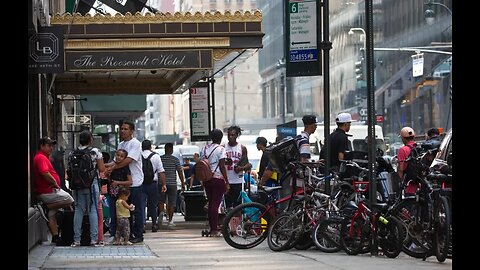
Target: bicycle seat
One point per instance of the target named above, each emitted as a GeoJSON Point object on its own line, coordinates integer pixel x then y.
{"type": "Point", "coordinates": [271, 189]}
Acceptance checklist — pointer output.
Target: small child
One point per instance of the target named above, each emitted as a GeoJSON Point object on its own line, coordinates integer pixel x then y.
{"type": "Point", "coordinates": [123, 213]}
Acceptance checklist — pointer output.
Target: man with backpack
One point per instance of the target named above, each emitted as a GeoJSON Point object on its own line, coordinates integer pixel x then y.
{"type": "Point", "coordinates": [407, 134]}
{"type": "Point", "coordinates": [152, 167]}
{"type": "Point", "coordinates": [83, 164]}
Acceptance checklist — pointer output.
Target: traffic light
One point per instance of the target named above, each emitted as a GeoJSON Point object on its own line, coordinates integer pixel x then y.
{"type": "Point", "coordinates": [359, 70]}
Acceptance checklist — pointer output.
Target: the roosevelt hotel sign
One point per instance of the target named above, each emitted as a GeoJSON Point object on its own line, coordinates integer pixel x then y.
{"type": "Point", "coordinates": [135, 59]}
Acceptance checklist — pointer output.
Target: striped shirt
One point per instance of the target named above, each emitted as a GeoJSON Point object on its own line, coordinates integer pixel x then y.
{"type": "Point", "coordinates": [170, 164]}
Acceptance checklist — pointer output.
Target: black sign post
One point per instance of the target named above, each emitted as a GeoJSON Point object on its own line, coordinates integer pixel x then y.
{"type": "Point", "coordinates": [302, 40]}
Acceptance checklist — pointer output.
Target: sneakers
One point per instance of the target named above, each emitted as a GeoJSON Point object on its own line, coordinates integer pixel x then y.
{"type": "Point", "coordinates": [75, 244]}
{"type": "Point", "coordinates": [154, 227]}
{"type": "Point", "coordinates": [171, 224]}
{"type": "Point", "coordinates": [97, 244]}
{"type": "Point", "coordinates": [43, 212]}
{"type": "Point", "coordinates": [136, 240]}
{"type": "Point", "coordinates": [56, 239]}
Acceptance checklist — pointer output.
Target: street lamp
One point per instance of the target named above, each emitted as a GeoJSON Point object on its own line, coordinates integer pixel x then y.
{"type": "Point", "coordinates": [430, 14]}
{"type": "Point", "coordinates": [362, 36]}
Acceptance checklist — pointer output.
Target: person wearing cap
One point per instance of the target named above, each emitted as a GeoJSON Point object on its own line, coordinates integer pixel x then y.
{"type": "Point", "coordinates": [338, 140]}
{"type": "Point", "coordinates": [47, 186]}
{"type": "Point", "coordinates": [303, 142]}
{"type": "Point", "coordinates": [407, 134]}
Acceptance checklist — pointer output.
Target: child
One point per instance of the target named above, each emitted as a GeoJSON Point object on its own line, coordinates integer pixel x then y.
{"type": "Point", "coordinates": [103, 191]}
{"type": "Point", "coordinates": [119, 177]}
{"type": "Point", "coordinates": [123, 213]}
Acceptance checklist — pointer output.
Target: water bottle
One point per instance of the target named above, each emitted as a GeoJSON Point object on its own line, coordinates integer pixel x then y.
{"type": "Point", "coordinates": [383, 220]}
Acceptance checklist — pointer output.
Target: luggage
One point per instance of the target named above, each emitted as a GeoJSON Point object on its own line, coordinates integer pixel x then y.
{"type": "Point", "coordinates": [85, 239]}
{"type": "Point", "coordinates": [65, 227]}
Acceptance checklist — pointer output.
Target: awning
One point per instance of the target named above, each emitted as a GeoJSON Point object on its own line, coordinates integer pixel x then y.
{"type": "Point", "coordinates": [158, 53]}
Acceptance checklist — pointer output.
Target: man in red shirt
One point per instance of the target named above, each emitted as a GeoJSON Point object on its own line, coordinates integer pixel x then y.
{"type": "Point", "coordinates": [47, 185]}
{"type": "Point", "coordinates": [408, 138]}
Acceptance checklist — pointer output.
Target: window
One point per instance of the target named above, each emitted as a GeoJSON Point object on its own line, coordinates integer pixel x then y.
{"type": "Point", "coordinates": [151, 103]}
{"type": "Point", "coordinates": [151, 127]}
{"type": "Point", "coordinates": [151, 115]}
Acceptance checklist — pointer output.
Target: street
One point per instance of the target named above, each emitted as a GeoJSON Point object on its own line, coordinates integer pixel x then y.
{"type": "Point", "coordinates": [183, 247]}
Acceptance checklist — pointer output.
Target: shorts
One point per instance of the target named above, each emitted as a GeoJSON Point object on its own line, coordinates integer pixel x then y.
{"type": "Point", "coordinates": [57, 196]}
{"type": "Point", "coordinates": [171, 195]}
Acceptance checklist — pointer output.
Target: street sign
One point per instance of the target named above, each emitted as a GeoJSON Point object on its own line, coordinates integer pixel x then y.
{"type": "Point", "coordinates": [302, 39]}
{"type": "Point", "coordinates": [199, 114]}
{"type": "Point", "coordinates": [82, 119]}
{"type": "Point", "coordinates": [303, 31]}
{"type": "Point", "coordinates": [417, 64]}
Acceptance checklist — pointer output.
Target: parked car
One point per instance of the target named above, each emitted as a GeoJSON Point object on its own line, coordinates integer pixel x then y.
{"type": "Point", "coordinates": [444, 154]}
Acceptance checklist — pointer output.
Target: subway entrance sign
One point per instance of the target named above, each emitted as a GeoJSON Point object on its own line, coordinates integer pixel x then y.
{"type": "Point", "coordinates": [302, 38]}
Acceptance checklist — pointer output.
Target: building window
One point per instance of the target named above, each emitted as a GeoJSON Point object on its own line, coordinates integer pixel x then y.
{"type": "Point", "coordinates": [151, 115]}
{"type": "Point", "coordinates": [151, 103]}
{"type": "Point", "coordinates": [151, 127]}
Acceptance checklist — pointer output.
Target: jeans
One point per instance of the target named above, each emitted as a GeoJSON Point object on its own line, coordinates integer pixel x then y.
{"type": "Point", "coordinates": [86, 202]}
{"type": "Point", "coordinates": [150, 192]}
{"type": "Point", "coordinates": [136, 196]}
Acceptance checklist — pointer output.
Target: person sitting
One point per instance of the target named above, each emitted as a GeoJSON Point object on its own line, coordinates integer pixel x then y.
{"type": "Point", "coordinates": [47, 187]}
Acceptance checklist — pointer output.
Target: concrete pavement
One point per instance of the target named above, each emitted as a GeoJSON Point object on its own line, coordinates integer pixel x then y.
{"type": "Point", "coordinates": [183, 247]}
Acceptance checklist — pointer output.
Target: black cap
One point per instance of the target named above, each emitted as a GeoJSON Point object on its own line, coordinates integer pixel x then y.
{"type": "Point", "coordinates": [46, 140]}
{"type": "Point", "coordinates": [309, 119]}
{"type": "Point", "coordinates": [262, 141]}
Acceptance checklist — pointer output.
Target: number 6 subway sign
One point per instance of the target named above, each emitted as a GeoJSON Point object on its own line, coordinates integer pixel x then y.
{"type": "Point", "coordinates": [303, 38]}
{"type": "Point", "coordinates": [199, 114]}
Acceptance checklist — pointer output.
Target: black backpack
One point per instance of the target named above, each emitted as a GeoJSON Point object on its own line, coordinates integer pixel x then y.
{"type": "Point", "coordinates": [81, 171]}
{"type": "Point", "coordinates": [147, 168]}
{"type": "Point", "coordinates": [416, 167]}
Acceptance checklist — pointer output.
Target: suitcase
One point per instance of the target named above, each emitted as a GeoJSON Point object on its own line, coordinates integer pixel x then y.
{"type": "Point", "coordinates": [65, 227]}
{"type": "Point", "coordinates": [85, 236]}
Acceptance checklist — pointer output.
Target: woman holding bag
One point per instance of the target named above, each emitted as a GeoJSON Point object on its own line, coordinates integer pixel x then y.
{"type": "Point", "coordinates": [218, 184]}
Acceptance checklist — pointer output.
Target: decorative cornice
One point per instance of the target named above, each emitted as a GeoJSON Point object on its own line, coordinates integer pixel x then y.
{"type": "Point", "coordinates": [140, 43]}
{"type": "Point", "coordinates": [219, 54]}
{"type": "Point", "coordinates": [159, 17]}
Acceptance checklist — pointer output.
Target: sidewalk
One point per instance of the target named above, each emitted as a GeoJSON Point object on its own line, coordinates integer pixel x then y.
{"type": "Point", "coordinates": [48, 256]}
{"type": "Point", "coordinates": [183, 247]}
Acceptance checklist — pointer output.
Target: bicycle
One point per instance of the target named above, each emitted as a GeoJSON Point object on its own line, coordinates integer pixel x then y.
{"type": "Point", "coordinates": [246, 225]}
{"type": "Point", "coordinates": [366, 224]}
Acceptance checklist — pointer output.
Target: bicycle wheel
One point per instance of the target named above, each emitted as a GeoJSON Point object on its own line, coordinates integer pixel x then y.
{"type": "Point", "coordinates": [441, 237]}
{"type": "Point", "coordinates": [326, 235]}
{"type": "Point", "coordinates": [281, 233]}
{"type": "Point", "coordinates": [352, 240]}
{"type": "Point", "coordinates": [414, 244]}
{"type": "Point", "coordinates": [390, 237]}
{"type": "Point", "coordinates": [182, 207]}
{"type": "Point", "coordinates": [246, 225]}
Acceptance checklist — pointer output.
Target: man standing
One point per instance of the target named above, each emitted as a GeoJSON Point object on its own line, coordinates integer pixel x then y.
{"type": "Point", "coordinates": [408, 138]}
{"type": "Point", "coordinates": [151, 190]}
{"type": "Point", "coordinates": [134, 162]}
{"type": "Point", "coordinates": [86, 199]}
{"type": "Point", "coordinates": [303, 142]}
{"type": "Point", "coordinates": [236, 163]}
{"type": "Point", "coordinates": [338, 140]}
{"type": "Point", "coordinates": [172, 169]}
{"type": "Point", "coordinates": [47, 186]}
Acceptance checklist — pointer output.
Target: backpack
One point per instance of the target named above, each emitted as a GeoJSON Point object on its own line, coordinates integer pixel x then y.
{"type": "Point", "coordinates": [282, 152]}
{"type": "Point", "coordinates": [81, 171]}
{"type": "Point", "coordinates": [415, 164]}
{"type": "Point", "coordinates": [202, 168]}
{"type": "Point", "coordinates": [147, 167]}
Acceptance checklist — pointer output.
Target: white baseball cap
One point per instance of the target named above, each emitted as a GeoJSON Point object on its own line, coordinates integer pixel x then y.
{"type": "Point", "coordinates": [344, 118]}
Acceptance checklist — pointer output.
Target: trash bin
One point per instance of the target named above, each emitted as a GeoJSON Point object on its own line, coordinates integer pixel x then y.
{"type": "Point", "coordinates": [194, 203]}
